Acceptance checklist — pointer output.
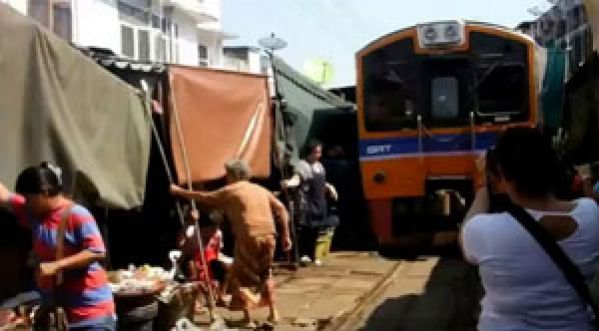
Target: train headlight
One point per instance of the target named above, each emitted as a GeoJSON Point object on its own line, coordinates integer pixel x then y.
{"type": "Point", "coordinates": [430, 34]}
{"type": "Point", "coordinates": [441, 34]}
{"type": "Point", "coordinates": [379, 177]}
{"type": "Point", "coordinates": [451, 32]}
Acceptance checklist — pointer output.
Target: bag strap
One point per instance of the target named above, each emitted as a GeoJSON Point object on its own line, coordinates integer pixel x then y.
{"type": "Point", "coordinates": [60, 237]}
{"type": "Point", "coordinates": [559, 257]}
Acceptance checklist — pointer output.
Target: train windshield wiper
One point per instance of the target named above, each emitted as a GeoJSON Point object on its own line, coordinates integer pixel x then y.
{"type": "Point", "coordinates": [489, 71]}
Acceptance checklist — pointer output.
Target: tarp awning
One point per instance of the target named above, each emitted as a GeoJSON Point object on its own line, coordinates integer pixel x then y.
{"type": "Point", "coordinates": [302, 98]}
{"type": "Point", "coordinates": [58, 105]}
{"type": "Point", "coordinates": [552, 93]}
{"type": "Point", "coordinates": [217, 116]}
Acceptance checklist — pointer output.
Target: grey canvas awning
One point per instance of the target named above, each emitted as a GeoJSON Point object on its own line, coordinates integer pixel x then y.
{"type": "Point", "coordinates": [56, 104]}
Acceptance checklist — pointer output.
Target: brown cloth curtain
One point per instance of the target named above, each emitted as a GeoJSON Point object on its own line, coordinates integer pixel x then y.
{"type": "Point", "coordinates": [222, 115]}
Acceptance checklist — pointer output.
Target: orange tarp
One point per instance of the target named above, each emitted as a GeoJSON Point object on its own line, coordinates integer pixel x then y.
{"type": "Point", "coordinates": [217, 116]}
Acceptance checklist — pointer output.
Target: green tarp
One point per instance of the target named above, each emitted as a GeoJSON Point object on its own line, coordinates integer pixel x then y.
{"type": "Point", "coordinates": [302, 98]}
{"type": "Point", "coordinates": [581, 118]}
{"type": "Point", "coordinates": [552, 94]}
{"type": "Point", "coordinates": [58, 105]}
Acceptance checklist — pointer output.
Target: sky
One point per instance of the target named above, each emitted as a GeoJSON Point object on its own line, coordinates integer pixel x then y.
{"type": "Point", "coordinates": [334, 30]}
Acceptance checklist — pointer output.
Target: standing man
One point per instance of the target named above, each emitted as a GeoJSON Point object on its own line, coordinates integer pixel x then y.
{"type": "Point", "coordinates": [250, 209]}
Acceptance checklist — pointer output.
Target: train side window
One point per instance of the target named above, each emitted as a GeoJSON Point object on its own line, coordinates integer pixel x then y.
{"type": "Point", "coordinates": [445, 97]}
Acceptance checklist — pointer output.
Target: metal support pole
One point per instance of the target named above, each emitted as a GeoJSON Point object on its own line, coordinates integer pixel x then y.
{"type": "Point", "coordinates": [472, 131]}
{"type": "Point", "coordinates": [420, 137]}
{"type": "Point", "coordinates": [280, 157]}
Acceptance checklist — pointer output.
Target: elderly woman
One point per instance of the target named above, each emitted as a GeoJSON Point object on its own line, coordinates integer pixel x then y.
{"type": "Point", "coordinates": [75, 280]}
{"type": "Point", "coordinates": [524, 288]}
{"type": "Point", "coordinates": [250, 209]}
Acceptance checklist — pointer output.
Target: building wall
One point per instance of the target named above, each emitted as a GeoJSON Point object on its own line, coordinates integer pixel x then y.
{"type": "Point", "coordinates": [564, 26]}
{"type": "Point", "coordinates": [213, 41]}
{"type": "Point", "coordinates": [19, 5]}
{"type": "Point", "coordinates": [247, 59]}
{"type": "Point", "coordinates": [213, 8]}
{"type": "Point", "coordinates": [96, 23]}
{"type": "Point", "coordinates": [187, 42]}
{"type": "Point", "coordinates": [210, 34]}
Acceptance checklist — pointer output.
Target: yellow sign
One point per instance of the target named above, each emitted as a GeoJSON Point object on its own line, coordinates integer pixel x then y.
{"type": "Point", "coordinates": [592, 9]}
{"type": "Point", "coordinates": [318, 70]}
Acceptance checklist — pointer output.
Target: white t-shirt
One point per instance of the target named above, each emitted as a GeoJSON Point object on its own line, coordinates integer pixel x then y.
{"type": "Point", "coordinates": [308, 170]}
{"type": "Point", "coordinates": [524, 289]}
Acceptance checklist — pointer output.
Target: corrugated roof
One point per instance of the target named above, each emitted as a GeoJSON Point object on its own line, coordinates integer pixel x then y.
{"type": "Point", "coordinates": [106, 58]}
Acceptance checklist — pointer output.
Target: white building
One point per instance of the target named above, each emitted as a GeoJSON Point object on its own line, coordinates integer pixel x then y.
{"type": "Point", "coordinates": [246, 59]}
{"type": "Point", "coordinates": [186, 32]}
{"type": "Point", "coordinates": [563, 25]}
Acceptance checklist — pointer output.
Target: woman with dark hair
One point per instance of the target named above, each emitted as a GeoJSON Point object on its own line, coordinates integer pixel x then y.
{"type": "Point", "coordinates": [524, 288]}
{"type": "Point", "coordinates": [310, 178]}
{"type": "Point", "coordinates": [76, 281]}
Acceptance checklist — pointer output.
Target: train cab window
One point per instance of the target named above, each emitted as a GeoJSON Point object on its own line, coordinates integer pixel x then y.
{"type": "Point", "coordinates": [445, 97]}
{"type": "Point", "coordinates": [504, 91]}
{"type": "Point", "coordinates": [502, 83]}
{"type": "Point", "coordinates": [389, 109]}
{"type": "Point", "coordinates": [391, 90]}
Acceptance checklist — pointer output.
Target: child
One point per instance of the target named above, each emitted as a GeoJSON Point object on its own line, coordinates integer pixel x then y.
{"type": "Point", "coordinates": [212, 239]}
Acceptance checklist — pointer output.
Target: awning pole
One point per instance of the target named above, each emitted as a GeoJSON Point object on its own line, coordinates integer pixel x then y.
{"type": "Point", "coordinates": [169, 173]}
{"type": "Point", "coordinates": [211, 301]}
{"type": "Point", "coordinates": [278, 109]}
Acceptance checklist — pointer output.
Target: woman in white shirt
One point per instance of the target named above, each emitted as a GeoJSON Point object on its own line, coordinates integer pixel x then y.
{"type": "Point", "coordinates": [524, 288]}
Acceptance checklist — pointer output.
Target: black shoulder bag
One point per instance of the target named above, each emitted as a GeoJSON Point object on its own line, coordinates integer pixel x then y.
{"type": "Point", "coordinates": [559, 257]}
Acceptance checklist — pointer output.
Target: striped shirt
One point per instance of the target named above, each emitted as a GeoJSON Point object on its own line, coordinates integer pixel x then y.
{"type": "Point", "coordinates": [84, 293]}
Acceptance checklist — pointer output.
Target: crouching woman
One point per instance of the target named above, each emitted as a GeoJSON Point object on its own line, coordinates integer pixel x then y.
{"type": "Point", "coordinates": [68, 246]}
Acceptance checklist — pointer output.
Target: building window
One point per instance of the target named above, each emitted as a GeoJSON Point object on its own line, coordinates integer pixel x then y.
{"type": "Point", "coordinates": [143, 45]}
{"type": "Point", "coordinates": [40, 11]}
{"type": "Point", "coordinates": [53, 14]}
{"type": "Point", "coordinates": [160, 48]}
{"type": "Point", "coordinates": [139, 12]}
{"type": "Point", "coordinates": [155, 22]}
{"type": "Point", "coordinates": [63, 20]}
{"type": "Point", "coordinates": [203, 59]}
{"type": "Point", "coordinates": [127, 41]}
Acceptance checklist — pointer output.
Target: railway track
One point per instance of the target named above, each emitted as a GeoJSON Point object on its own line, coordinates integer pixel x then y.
{"type": "Point", "coordinates": [435, 294]}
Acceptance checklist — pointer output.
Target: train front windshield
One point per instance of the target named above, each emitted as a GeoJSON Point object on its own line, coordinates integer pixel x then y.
{"type": "Point", "coordinates": [491, 80]}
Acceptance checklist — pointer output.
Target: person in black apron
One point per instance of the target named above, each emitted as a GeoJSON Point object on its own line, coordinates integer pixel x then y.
{"type": "Point", "coordinates": [312, 192]}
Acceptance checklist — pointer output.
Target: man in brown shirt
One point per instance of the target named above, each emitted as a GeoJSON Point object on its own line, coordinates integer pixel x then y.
{"type": "Point", "coordinates": [250, 209]}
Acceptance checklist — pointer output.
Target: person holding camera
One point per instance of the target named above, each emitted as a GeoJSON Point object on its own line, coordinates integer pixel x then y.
{"type": "Point", "coordinates": [524, 288]}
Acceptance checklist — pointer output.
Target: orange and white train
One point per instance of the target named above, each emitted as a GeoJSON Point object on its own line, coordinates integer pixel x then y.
{"type": "Point", "coordinates": [431, 99]}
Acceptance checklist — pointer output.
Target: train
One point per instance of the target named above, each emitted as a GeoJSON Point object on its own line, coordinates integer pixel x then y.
{"type": "Point", "coordinates": [431, 99]}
